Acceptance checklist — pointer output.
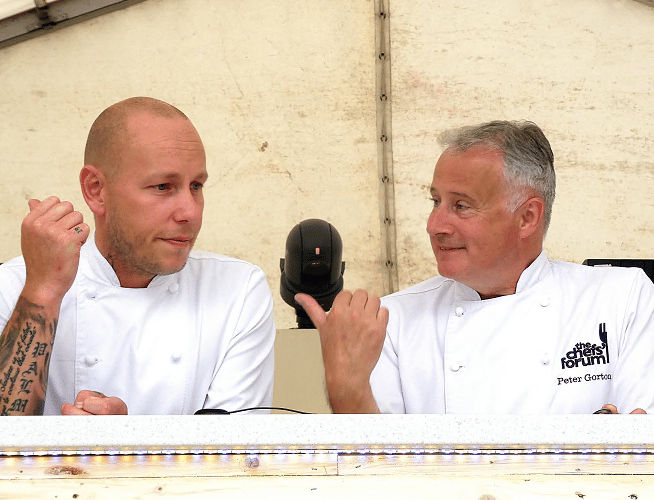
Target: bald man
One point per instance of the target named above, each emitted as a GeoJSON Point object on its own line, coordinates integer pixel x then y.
{"type": "Point", "coordinates": [129, 318]}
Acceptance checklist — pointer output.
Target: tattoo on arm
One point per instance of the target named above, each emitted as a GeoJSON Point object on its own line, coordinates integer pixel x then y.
{"type": "Point", "coordinates": [25, 348]}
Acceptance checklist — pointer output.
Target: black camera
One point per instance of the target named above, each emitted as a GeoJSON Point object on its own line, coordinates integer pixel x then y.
{"type": "Point", "coordinates": [312, 265]}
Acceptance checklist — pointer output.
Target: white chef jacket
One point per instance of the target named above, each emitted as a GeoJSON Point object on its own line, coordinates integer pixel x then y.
{"type": "Point", "coordinates": [199, 338]}
{"type": "Point", "coordinates": [539, 350]}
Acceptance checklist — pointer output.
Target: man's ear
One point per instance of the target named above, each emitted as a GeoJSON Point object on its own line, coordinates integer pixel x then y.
{"type": "Point", "coordinates": [93, 183]}
{"type": "Point", "coordinates": [532, 212]}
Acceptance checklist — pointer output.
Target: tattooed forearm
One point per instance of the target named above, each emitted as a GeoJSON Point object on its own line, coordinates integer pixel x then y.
{"type": "Point", "coordinates": [25, 347]}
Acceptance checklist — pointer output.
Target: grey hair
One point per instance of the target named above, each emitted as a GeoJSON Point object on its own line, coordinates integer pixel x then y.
{"type": "Point", "coordinates": [528, 158]}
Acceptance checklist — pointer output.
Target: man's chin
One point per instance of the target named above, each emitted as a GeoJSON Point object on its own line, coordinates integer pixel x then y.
{"type": "Point", "coordinates": [447, 274]}
{"type": "Point", "coordinates": [447, 270]}
{"type": "Point", "coordinates": [165, 268]}
{"type": "Point", "coordinates": [172, 269]}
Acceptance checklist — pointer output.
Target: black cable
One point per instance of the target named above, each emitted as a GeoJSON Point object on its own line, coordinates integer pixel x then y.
{"type": "Point", "coordinates": [218, 411]}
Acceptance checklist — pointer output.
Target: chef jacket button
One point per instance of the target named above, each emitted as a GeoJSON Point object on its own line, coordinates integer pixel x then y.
{"type": "Point", "coordinates": [176, 356]}
{"type": "Point", "coordinates": [545, 301]}
{"type": "Point", "coordinates": [459, 311]}
{"type": "Point", "coordinates": [90, 360]}
{"type": "Point", "coordinates": [455, 367]}
{"type": "Point", "coordinates": [90, 294]}
{"type": "Point", "coordinates": [546, 359]}
{"type": "Point", "coordinates": [173, 288]}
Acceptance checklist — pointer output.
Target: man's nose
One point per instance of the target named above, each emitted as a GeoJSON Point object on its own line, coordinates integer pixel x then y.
{"type": "Point", "coordinates": [190, 205]}
{"type": "Point", "coordinates": [439, 221]}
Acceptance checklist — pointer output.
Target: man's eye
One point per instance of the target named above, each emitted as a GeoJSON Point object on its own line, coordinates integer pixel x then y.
{"type": "Point", "coordinates": [460, 206]}
{"type": "Point", "coordinates": [435, 201]}
{"type": "Point", "coordinates": [196, 186]}
{"type": "Point", "coordinates": [161, 187]}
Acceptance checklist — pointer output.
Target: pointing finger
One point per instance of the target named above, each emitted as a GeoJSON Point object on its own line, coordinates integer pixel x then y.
{"type": "Point", "coordinates": [312, 308]}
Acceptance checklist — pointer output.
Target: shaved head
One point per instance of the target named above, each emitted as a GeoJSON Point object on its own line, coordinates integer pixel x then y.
{"type": "Point", "coordinates": [145, 167]}
{"type": "Point", "coordinates": [109, 133]}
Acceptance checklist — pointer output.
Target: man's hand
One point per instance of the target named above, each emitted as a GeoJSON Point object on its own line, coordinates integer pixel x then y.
{"type": "Point", "coordinates": [614, 410]}
{"type": "Point", "coordinates": [51, 237]}
{"type": "Point", "coordinates": [94, 403]}
{"type": "Point", "coordinates": [352, 336]}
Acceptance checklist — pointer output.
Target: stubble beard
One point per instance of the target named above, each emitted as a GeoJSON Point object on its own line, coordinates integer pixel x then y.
{"type": "Point", "coordinates": [124, 249]}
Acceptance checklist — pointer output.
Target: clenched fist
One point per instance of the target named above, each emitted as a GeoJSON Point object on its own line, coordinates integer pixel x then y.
{"type": "Point", "coordinates": [51, 237]}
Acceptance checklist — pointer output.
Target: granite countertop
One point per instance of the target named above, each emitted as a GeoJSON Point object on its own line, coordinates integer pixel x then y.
{"type": "Point", "coordinates": [341, 433]}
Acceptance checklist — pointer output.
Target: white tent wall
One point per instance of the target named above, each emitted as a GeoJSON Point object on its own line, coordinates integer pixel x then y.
{"type": "Point", "coordinates": [282, 93]}
{"type": "Point", "coordinates": [583, 70]}
{"type": "Point", "coordinates": [284, 96]}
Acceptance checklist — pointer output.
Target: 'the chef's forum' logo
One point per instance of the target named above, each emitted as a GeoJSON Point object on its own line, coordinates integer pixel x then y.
{"type": "Point", "coordinates": [587, 354]}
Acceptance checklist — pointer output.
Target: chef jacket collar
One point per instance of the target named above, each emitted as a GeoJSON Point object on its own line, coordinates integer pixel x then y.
{"type": "Point", "coordinates": [536, 271]}
{"type": "Point", "coordinates": [101, 271]}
